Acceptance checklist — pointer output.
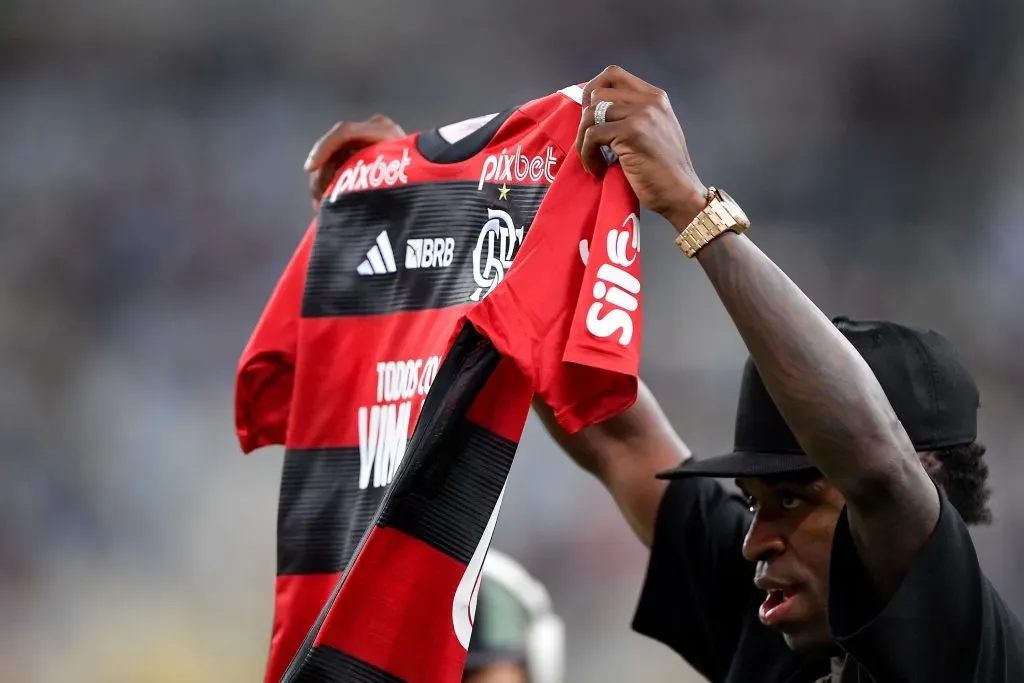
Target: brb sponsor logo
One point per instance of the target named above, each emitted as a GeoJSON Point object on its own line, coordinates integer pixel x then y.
{"type": "Point", "coordinates": [381, 172]}
{"type": "Point", "coordinates": [617, 291]}
{"type": "Point", "coordinates": [494, 251]}
{"type": "Point", "coordinates": [512, 167]}
{"type": "Point", "coordinates": [429, 252]}
{"type": "Point", "coordinates": [384, 427]}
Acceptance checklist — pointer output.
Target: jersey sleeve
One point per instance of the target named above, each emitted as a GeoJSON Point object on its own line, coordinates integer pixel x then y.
{"type": "Point", "coordinates": [698, 594]}
{"type": "Point", "coordinates": [597, 377]}
{"type": "Point", "coordinates": [569, 310]}
{"type": "Point", "coordinates": [263, 383]}
{"type": "Point", "coordinates": [945, 621]}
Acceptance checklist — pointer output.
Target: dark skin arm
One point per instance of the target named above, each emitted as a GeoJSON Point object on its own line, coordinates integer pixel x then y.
{"type": "Point", "coordinates": [624, 453]}
{"type": "Point", "coordinates": [821, 385]}
{"type": "Point", "coordinates": [334, 148]}
{"type": "Point", "coordinates": [893, 507]}
{"type": "Point", "coordinates": [834, 405]}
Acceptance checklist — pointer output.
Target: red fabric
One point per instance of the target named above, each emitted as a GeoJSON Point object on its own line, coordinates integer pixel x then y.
{"type": "Point", "coordinates": [395, 607]}
{"type": "Point", "coordinates": [309, 382]}
{"type": "Point", "coordinates": [299, 598]}
{"type": "Point", "coordinates": [263, 386]}
{"type": "Point", "coordinates": [401, 624]}
{"type": "Point", "coordinates": [539, 315]}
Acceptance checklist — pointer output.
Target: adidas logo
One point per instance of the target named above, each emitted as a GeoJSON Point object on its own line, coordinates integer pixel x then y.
{"type": "Point", "coordinates": [379, 259]}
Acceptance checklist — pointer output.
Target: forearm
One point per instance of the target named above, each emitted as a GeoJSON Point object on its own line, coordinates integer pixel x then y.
{"type": "Point", "coordinates": [822, 386]}
{"type": "Point", "coordinates": [832, 402]}
{"type": "Point", "coordinates": [624, 453]}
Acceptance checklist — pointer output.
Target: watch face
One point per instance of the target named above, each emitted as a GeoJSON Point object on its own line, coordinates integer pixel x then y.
{"type": "Point", "coordinates": [734, 208]}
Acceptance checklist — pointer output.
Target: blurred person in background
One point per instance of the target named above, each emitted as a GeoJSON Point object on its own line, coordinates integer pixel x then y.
{"type": "Point", "coordinates": [855, 450]}
{"type": "Point", "coordinates": [517, 637]}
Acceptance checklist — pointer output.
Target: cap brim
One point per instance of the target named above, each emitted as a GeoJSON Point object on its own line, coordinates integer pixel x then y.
{"type": "Point", "coordinates": [741, 464]}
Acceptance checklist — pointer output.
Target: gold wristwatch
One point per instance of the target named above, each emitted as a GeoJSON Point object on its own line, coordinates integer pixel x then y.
{"type": "Point", "coordinates": [722, 213]}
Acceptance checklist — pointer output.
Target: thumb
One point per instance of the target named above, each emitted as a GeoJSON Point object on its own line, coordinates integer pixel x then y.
{"type": "Point", "coordinates": [350, 137]}
{"type": "Point", "coordinates": [334, 140]}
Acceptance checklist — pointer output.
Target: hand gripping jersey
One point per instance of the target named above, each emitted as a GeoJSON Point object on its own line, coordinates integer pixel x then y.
{"type": "Point", "coordinates": [500, 255]}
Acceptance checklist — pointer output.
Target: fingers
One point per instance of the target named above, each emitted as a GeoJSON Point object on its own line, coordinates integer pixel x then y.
{"type": "Point", "coordinates": [349, 137]}
{"type": "Point", "coordinates": [616, 111]}
{"type": "Point", "coordinates": [616, 95]}
{"type": "Point", "coordinates": [609, 78]}
{"type": "Point", "coordinates": [592, 139]}
{"type": "Point", "coordinates": [344, 139]}
{"type": "Point", "coordinates": [328, 144]}
{"type": "Point", "coordinates": [621, 102]}
{"type": "Point", "coordinates": [613, 111]}
{"type": "Point", "coordinates": [615, 77]}
{"type": "Point", "coordinates": [320, 178]}
{"type": "Point", "coordinates": [627, 94]}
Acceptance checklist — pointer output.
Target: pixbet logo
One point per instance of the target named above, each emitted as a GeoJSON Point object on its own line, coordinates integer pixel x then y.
{"type": "Point", "coordinates": [507, 168]}
{"type": "Point", "coordinates": [377, 173]}
{"type": "Point", "coordinates": [495, 248]}
{"type": "Point", "coordinates": [615, 286]}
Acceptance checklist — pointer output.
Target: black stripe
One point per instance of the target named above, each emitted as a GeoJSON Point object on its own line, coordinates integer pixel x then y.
{"type": "Point", "coordinates": [322, 513]}
{"type": "Point", "coordinates": [443, 497]}
{"type": "Point", "coordinates": [466, 368]}
{"type": "Point", "coordinates": [348, 228]}
{"type": "Point", "coordinates": [435, 148]}
{"type": "Point", "coordinates": [450, 506]}
{"type": "Point", "coordinates": [447, 486]}
{"type": "Point", "coordinates": [328, 665]}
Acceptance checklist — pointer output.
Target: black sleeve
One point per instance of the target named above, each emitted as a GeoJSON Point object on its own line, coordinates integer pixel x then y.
{"type": "Point", "coordinates": [698, 587]}
{"type": "Point", "coordinates": [944, 623]}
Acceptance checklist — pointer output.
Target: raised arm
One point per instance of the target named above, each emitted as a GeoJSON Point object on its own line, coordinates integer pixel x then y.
{"type": "Point", "coordinates": [624, 453]}
{"type": "Point", "coordinates": [821, 385]}
{"type": "Point", "coordinates": [832, 402]}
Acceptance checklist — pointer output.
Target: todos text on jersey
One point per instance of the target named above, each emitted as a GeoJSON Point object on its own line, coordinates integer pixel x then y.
{"type": "Point", "coordinates": [384, 426]}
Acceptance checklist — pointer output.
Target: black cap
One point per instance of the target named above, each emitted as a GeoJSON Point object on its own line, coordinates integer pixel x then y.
{"type": "Point", "coordinates": [930, 390]}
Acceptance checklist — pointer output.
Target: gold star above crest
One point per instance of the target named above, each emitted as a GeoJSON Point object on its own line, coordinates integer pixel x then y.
{"type": "Point", "coordinates": [503, 191]}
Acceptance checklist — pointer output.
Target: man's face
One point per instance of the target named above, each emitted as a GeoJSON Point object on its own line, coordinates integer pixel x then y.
{"type": "Point", "coordinates": [790, 539]}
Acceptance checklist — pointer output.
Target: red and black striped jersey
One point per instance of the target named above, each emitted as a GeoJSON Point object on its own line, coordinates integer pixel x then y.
{"type": "Point", "coordinates": [495, 252]}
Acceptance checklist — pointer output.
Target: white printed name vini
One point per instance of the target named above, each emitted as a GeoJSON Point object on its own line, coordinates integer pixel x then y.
{"type": "Point", "coordinates": [384, 427]}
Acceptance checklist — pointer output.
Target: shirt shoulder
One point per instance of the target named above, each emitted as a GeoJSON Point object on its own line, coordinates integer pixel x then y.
{"type": "Point", "coordinates": [945, 622]}
{"type": "Point", "coordinates": [570, 309]}
{"type": "Point", "coordinates": [557, 115]}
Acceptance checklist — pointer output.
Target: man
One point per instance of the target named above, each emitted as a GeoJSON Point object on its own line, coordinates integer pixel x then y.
{"type": "Point", "coordinates": [517, 637]}
{"type": "Point", "coordinates": [863, 567]}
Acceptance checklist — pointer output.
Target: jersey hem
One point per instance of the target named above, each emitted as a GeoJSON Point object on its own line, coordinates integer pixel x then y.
{"type": "Point", "coordinates": [571, 422]}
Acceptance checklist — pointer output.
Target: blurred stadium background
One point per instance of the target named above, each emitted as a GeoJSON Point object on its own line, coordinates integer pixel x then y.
{"type": "Point", "coordinates": [151, 191]}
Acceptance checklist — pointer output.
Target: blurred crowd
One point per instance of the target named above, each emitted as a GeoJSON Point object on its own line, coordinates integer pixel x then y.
{"type": "Point", "coordinates": [151, 191]}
